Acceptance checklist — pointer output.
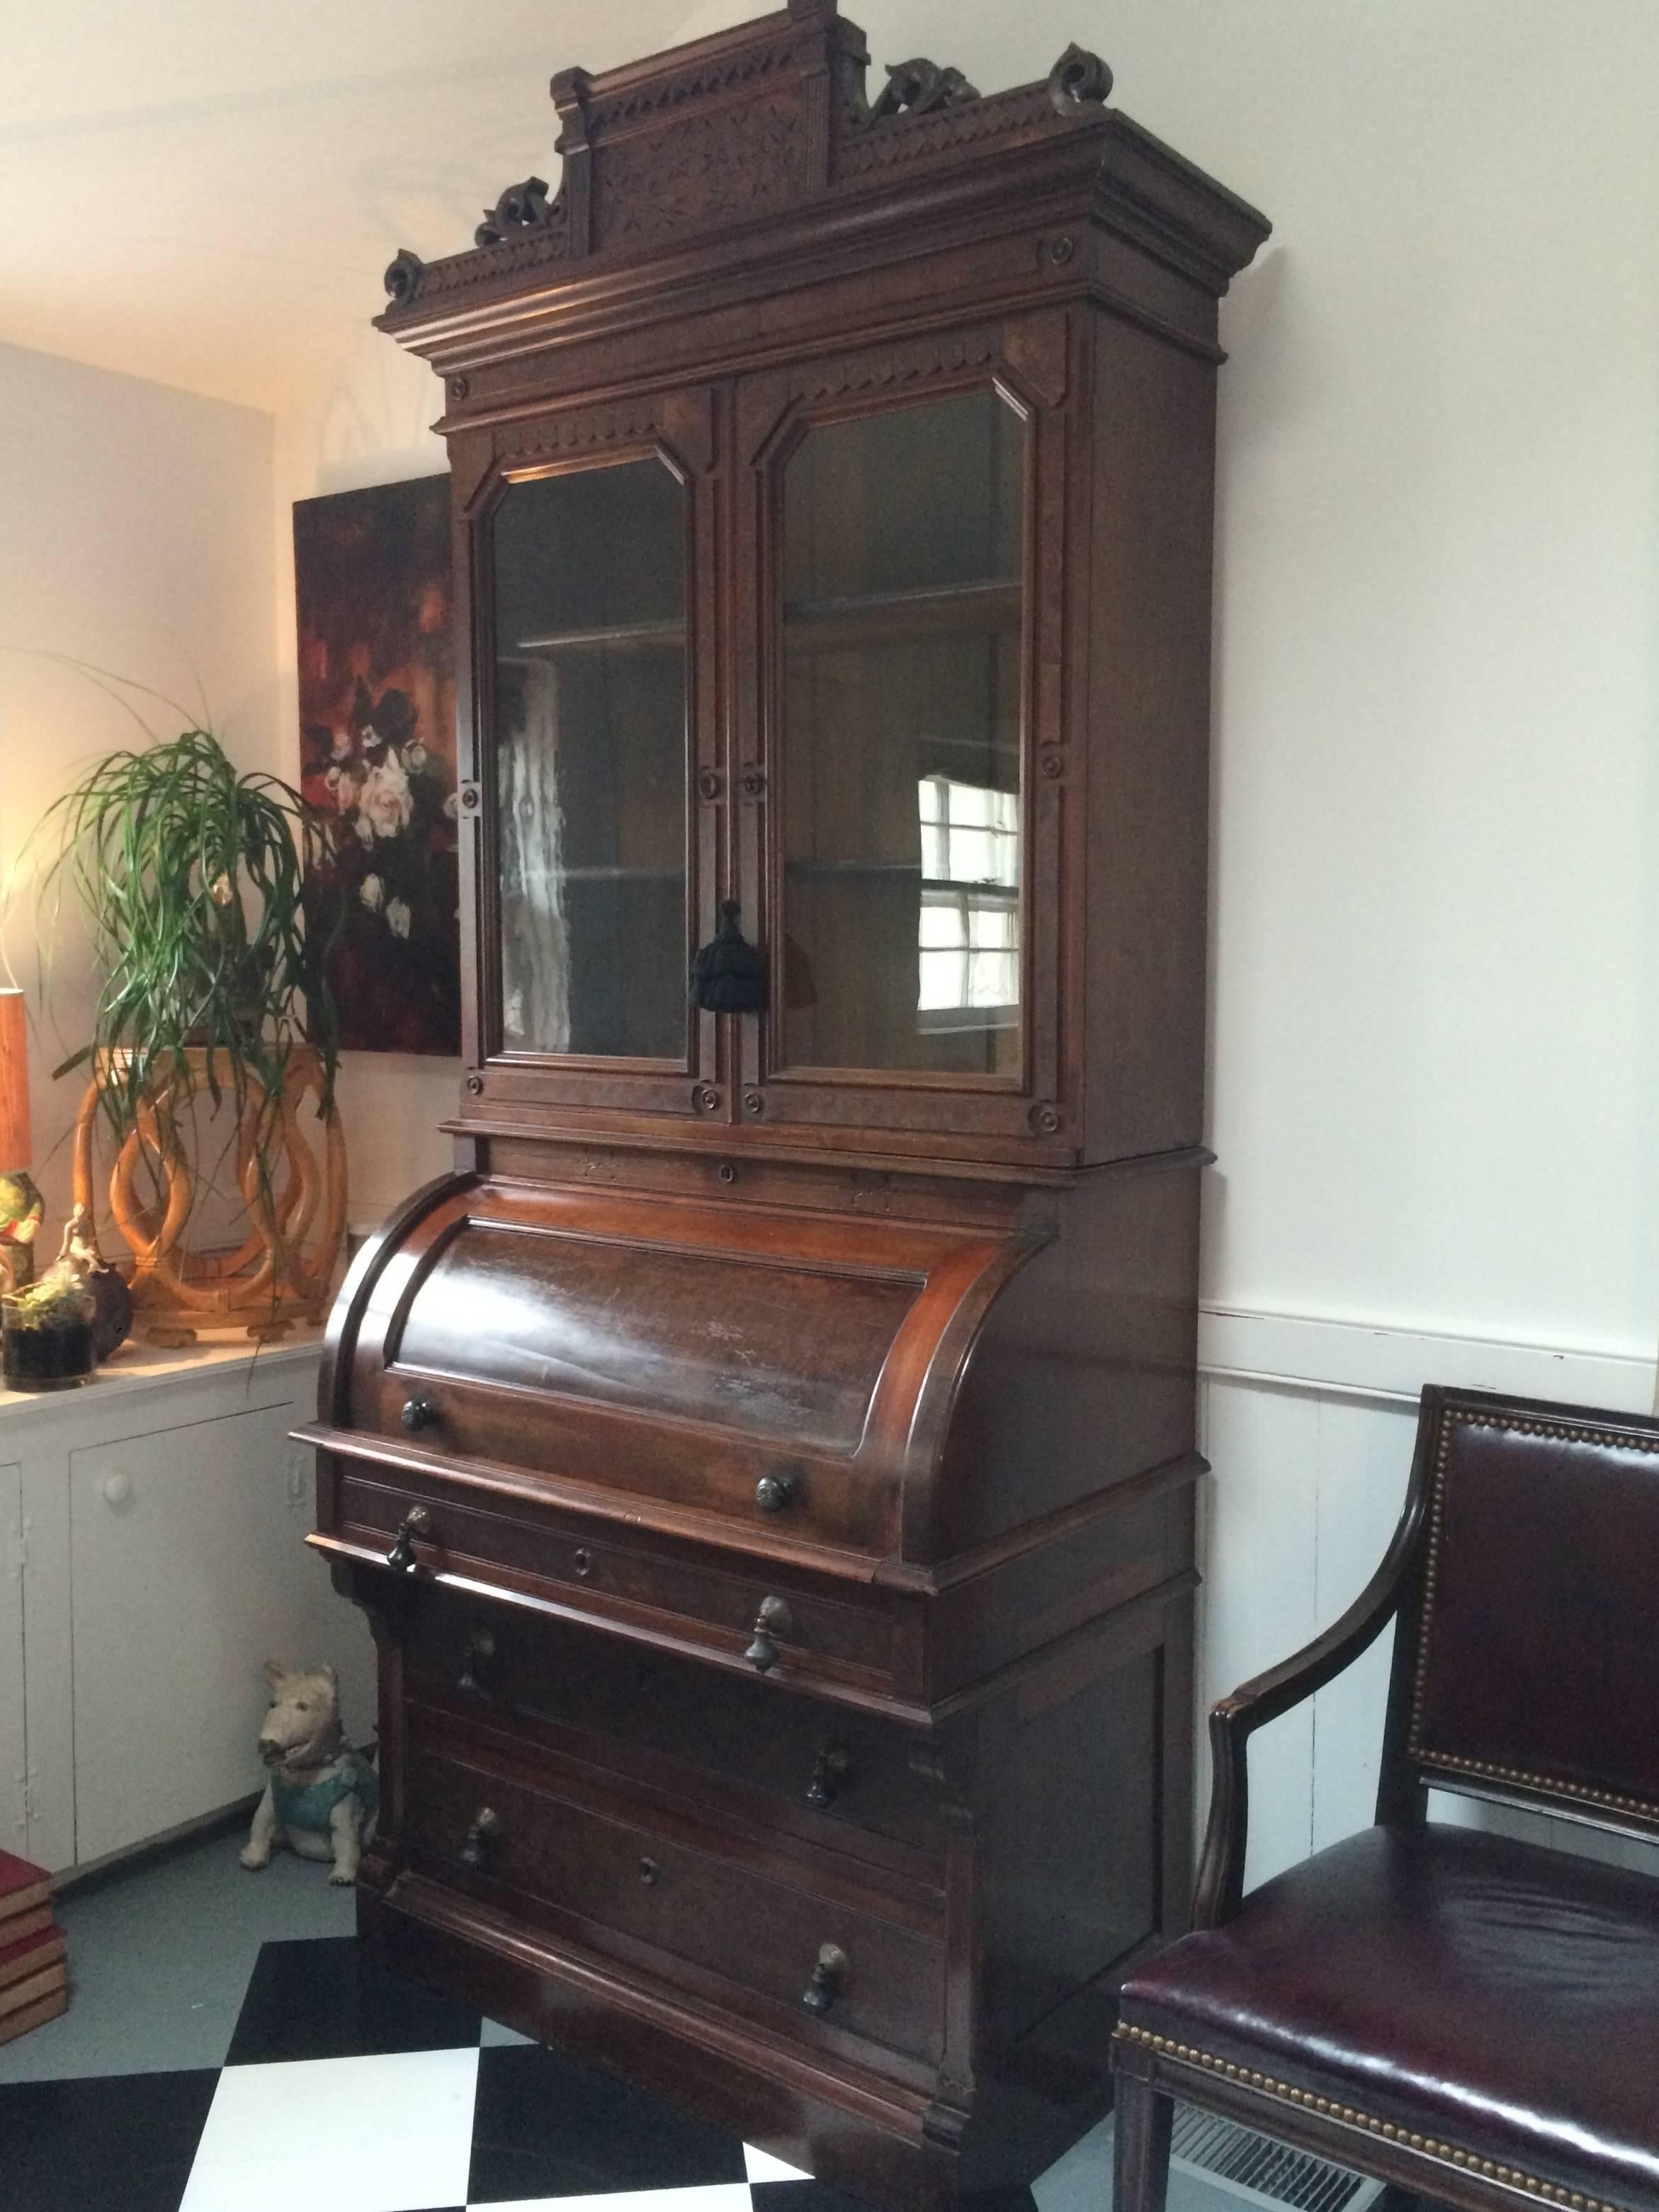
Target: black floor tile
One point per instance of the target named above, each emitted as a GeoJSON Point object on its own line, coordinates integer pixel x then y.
{"type": "Point", "coordinates": [545, 2126]}
{"type": "Point", "coordinates": [111, 2142]}
{"type": "Point", "coordinates": [326, 1997]}
{"type": "Point", "coordinates": [819, 2197]}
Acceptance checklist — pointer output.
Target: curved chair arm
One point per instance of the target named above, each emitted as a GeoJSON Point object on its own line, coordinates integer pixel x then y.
{"type": "Point", "coordinates": [1221, 1887]}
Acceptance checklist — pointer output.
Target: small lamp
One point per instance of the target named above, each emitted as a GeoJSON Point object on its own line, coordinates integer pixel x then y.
{"type": "Point", "coordinates": [20, 1203]}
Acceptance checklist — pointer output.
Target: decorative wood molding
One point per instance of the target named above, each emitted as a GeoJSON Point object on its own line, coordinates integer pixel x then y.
{"type": "Point", "coordinates": [920, 87]}
{"type": "Point", "coordinates": [1361, 1360]}
{"type": "Point", "coordinates": [520, 207]}
{"type": "Point", "coordinates": [771, 116]}
{"type": "Point", "coordinates": [631, 422]}
{"type": "Point", "coordinates": [898, 364]}
{"type": "Point", "coordinates": [1035, 347]}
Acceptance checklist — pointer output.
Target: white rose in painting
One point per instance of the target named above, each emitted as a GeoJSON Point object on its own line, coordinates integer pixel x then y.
{"type": "Point", "coordinates": [398, 917]}
{"type": "Point", "coordinates": [365, 828]}
{"type": "Point", "coordinates": [372, 891]}
{"type": "Point", "coordinates": [386, 802]}
{"type": "Point", "coordinates": [453, 805]}
{"type": "Point", "coordinates": [345, 790]}
{"type": "Point", "coordinates": [415, 757]}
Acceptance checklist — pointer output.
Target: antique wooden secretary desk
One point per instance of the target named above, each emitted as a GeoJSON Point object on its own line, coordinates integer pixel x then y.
{"type": "Point", "coordinates": [768, 1460]}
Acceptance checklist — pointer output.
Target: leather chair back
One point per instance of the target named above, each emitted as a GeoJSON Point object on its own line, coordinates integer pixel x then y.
{"type": "Point", "coordinates": [1527, 1667]}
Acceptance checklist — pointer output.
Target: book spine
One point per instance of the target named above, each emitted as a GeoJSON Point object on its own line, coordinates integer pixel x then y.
{"type": "Point", "coordinates": [34, 2015]}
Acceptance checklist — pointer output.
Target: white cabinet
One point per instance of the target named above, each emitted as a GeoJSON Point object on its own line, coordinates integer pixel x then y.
{"type": "Point", "coordinates": [159, 1516]}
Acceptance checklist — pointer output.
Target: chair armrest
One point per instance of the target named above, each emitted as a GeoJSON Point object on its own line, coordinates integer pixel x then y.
{"type": "Point", "coordinates": [1220, 1887]}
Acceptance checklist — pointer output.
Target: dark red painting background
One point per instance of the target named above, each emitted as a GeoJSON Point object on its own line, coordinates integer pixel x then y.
{"type": "Point", "coordinates": [377, 723]}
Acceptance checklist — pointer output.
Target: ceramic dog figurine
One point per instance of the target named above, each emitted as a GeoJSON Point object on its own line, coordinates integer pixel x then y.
{"type": "Point", "coordinates": [322, 1795]}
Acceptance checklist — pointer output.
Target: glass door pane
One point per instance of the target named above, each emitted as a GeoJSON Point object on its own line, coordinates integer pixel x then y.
{"type": "Point", "coordinates": [591, 767]}
{"type": "Point", "coordinates": [901, 740]}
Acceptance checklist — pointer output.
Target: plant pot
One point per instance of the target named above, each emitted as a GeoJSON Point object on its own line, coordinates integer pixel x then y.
{"type": "Point", "coordinates": [52, 1354]}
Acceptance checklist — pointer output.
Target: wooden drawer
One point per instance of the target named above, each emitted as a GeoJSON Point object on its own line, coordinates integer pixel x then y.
{"type": "Point", "coordinates": [738, 1919]}
{"type": "Point", "coordinates": [844, 1779]}
{"type": "Point", "coordinates": [680, 1591]}
{"type": "Point", "coordinates": [764, 1486]}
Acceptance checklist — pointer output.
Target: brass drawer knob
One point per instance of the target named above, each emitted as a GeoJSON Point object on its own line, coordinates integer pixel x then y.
{"type": "Point", "coordinates": [774, 1618]}
{"type": "Point", "coordinates": [829, 1979]}
{"type": "Point", "coordinates": [419, 1414]}
{"type": "Point", "coordinates": [417, 1522]}
{"type": "Point", "coordinates": [476, 1660]}
{"type": "Point", "coordinates": [481, 1838]}
{"type": "Point", "coordinates": [829, 1771]}
{"type": "Point", "coordinates": [773, 1492]}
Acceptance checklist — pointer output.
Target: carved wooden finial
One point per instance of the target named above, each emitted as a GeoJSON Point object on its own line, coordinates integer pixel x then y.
{"type": "Point", "coordinates": [917, 88]}
{"type": "Point", "coordinates": [402, 275]}
{"type": "Point", "coordinates": [1079, 78]}
{"type": "Point", "coordinates": [520, 207]}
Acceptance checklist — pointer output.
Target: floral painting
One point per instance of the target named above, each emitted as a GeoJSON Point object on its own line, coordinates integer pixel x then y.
{"type": "Point", "coordinates": [377, 724]}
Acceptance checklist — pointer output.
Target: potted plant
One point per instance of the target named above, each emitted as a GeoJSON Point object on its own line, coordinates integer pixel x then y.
{"type": "Point", "coordinates": [211, 960]}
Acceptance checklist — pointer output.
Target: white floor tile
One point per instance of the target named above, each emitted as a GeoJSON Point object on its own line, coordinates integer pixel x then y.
{"type": "Point", "coordinates": [707, 2197]}
{"type": "Point", "coordinates": [760, 2165]}
{"type": "Point", "coordinates": [339, 2135]}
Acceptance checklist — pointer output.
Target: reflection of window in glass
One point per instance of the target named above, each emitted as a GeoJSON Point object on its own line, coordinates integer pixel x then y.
{"type": "Point", "coordinates": [970, 929]}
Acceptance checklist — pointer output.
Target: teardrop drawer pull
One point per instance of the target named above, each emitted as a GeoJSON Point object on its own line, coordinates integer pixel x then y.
{"type": "Point", "coordinates": [829, 1771]}
{"type": "Point", "coordinates": [774, 1618]}
{"type": "Point", "coordinates": [829, 1979]}
{"type": "Point", "coordinates": [478, 1660]}
{"type": "Point", "coordinates": [774, 1492]}
{"type": "Point", "coordinates": [650, 1873]}
{"type": "Point", "coordinates": [419, 1414]}
{"type": "Point", "coordinates": [481, 1838]}
{"type": "Point", "coordinates": [417, 1522]}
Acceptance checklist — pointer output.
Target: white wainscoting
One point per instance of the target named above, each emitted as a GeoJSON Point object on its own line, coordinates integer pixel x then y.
{"type": "Point", "coordinates": [1308, 1426]}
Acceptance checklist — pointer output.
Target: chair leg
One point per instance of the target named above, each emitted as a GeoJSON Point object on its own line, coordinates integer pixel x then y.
{"type": "Point", "coordinates": [1141, 2145]}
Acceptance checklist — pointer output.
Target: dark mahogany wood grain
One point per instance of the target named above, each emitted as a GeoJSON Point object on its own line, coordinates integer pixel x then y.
{"type": "Point", "coordinates": [908, 1349]}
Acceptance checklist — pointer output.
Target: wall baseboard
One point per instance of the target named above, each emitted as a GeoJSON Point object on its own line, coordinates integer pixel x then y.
{"type": "Point", "coordinates": [1295, 1352]}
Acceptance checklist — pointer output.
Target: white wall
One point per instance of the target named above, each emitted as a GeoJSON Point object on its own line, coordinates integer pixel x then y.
{"type": "Point", "coordinates": [135, 535]}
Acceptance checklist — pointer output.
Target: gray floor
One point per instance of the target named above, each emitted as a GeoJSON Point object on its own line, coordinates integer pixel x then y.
{"type": "Point", "coordinates": [160, 1960]}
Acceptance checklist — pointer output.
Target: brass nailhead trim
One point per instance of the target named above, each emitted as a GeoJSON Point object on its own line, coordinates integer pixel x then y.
{"type": "Point", "coordinates": [1547, 1784]}
{"type": "Point", "coordinates": [1166, 2048]}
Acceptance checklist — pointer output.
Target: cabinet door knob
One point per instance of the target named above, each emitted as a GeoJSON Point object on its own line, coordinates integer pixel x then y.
{"type": "Point", "coordinates": [829, 1771]}
{"type": "Point", "coordinates": [829, 1979]}
{"type": "Point", "coordinates": [118, 1489]}
{"type": "Point", "coordinates": [477, 1663]}
{"type": "Point", "coordinates": [773, 1492]}
{"type": "Point", "coordinates": [419, 1414]}
{"type": "Point", "coordinates": [482, 1838]}
{"type": "Point", "coordinates": [417, 1522]}
{"type": "Point", "coordinates": [774, 1617]}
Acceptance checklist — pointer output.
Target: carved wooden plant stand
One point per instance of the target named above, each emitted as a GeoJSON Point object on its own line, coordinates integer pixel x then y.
{"type": "Point", "coordinates": [283, 1271]}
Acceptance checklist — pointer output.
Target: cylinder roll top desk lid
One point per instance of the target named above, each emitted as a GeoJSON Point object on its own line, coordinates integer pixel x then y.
{"type": "Point", "coordinates": [767, 1460]}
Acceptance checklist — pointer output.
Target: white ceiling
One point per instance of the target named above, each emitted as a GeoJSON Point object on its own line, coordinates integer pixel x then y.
{"type": "Point", "coordinates": [206, 191]}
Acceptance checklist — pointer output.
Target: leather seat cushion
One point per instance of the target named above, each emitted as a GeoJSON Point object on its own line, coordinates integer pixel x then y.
{"type": "Point", "coordinates": [1493, 1995]}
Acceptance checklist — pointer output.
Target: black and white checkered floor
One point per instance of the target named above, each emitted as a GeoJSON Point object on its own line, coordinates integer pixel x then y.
{"type": "Point", "coordinates": [225, 2052]}
{"type": "Point", "coordinates": [346, 2088]}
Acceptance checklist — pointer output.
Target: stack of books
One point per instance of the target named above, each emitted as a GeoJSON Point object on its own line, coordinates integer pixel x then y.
{"type": "Point", "coordinates": [33, 1981]}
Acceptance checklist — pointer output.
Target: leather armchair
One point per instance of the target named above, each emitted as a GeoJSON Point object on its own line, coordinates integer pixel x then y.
{"type": "Point", "coordinates": [1473, 2018]}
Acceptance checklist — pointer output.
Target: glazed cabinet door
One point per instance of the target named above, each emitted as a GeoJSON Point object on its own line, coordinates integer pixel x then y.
{"type": "Point", "coordinates": [589, 546]}
{"type": "Point", "coordinates": [906, 516]}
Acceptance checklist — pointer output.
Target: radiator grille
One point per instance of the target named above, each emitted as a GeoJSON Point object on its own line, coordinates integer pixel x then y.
{"type": "Point", "coordinates": [1266, 2172]}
